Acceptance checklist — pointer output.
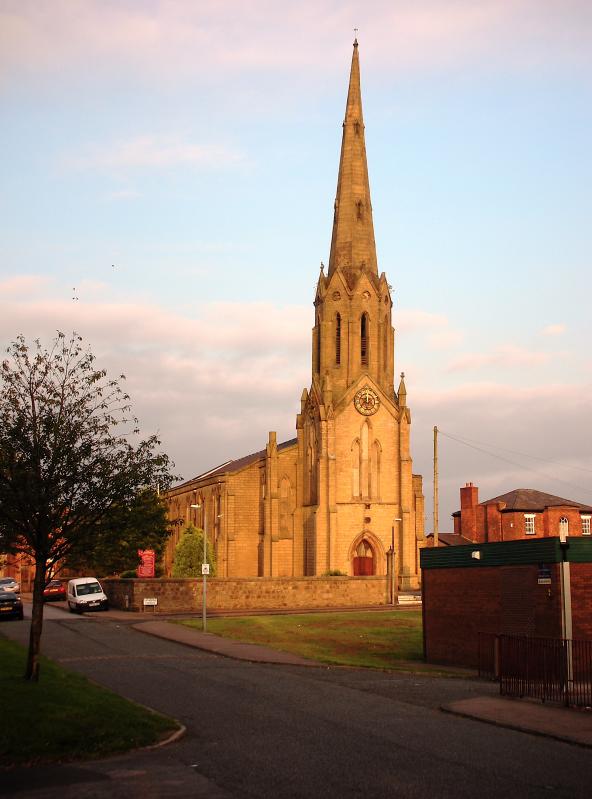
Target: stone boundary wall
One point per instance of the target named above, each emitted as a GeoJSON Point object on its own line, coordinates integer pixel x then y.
{"type": "Point", "coordinates": [185, 595]}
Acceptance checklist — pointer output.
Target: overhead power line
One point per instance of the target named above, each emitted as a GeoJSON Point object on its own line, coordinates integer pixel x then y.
{"type": "Point", "coordinates": [524, 454]}
{"type": "Point", "coordinates": [467, 443]}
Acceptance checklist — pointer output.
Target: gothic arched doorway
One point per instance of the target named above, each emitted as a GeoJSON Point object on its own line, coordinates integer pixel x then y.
{"type": "Point", "coordinates": [363, 559]}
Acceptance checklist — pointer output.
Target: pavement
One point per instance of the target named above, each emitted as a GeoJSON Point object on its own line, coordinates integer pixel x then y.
{"type": "Point", "coordinates": [255, 729]}
{"type": "Point", "coordinates": [552, 721]}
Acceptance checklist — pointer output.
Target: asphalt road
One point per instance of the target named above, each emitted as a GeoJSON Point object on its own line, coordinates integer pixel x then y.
{"type": "Point", "coordinates": [284, 731]}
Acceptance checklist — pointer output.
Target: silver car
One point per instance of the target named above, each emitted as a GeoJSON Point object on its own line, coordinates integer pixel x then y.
{"type": "Point", "coordinates": [8, 584]}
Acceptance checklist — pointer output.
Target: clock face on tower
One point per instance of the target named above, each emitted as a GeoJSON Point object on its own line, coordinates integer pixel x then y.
{"type": "Point", "coordinates": [366, 401]}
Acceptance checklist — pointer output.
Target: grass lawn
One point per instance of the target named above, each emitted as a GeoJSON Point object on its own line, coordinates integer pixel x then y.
{"type": "Point", "coordinates": [385, 640]}
{"type": "Point", "coordinates": [66, 717]}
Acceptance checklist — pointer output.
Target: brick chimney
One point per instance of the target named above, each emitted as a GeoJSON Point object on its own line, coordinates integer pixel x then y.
{"type": "Point", "coordinates": [469, 496]}
{"type": "Point", "coordinates": [469, 499]}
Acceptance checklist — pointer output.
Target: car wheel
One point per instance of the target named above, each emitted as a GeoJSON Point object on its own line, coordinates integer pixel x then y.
{"type": "Point", "coordinates": [70, 608]}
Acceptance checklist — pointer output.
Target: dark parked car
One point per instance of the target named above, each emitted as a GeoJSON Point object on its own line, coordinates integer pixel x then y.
{"type": "Point", "coordinates": [54, 591]}
{"type": "Point", "coordinates": [11, 605]}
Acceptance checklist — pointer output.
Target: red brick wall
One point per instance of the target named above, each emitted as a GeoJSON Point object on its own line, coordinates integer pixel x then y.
{"type": "Point", "coordinates": [459, 603]}
{"type": "Point", "coordinates": [581, 599]}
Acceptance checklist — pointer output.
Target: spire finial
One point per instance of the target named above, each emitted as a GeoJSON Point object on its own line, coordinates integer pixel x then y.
{"type": "Point", "coordinates": [355, 37]}
{"type": "Point", "coordinates": [402, 375]}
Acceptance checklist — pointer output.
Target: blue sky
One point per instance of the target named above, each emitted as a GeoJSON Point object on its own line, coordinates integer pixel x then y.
{"type": "Point", "coordinates": [176, 162]}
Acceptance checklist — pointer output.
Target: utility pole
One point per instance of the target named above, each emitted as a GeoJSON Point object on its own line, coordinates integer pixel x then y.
{"type": "Point", "coordinates": [205, 569]}
{"type": "Point", "coordinates": [436, 530]}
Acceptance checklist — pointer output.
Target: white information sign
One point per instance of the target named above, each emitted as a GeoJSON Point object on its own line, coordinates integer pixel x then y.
{"type": "Point", "coordinates": [150, 600]}
{"type": "Point", "coordinates": [205, 568]}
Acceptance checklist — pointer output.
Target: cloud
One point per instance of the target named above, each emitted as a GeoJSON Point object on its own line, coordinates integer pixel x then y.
{"type": "Point", "coordinates": [514, 439]}
{"type": "Point", "coordinates": [506, 356]}
{"type": "Point", "coordinates": [435, 327]}
{"type": "Point", "coordinates": [22, 285]}
{"type": "Point", "coordinates": [214, 384]}
{"type": "Point", "coordinates": [157, 152]}
{"type": "Point", "coordinates": [175, 39]}
{"type": "Point", "coordinates": [554, 330]}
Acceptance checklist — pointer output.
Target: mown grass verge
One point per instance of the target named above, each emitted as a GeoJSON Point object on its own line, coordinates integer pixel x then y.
{"type": "Point", "coordinates": [65, 716]}
{"type": "Point", "coordinates": [386, 640]}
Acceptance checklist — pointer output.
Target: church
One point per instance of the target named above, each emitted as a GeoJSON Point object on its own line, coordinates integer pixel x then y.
{"type": "Point", "coordinates": [341, 496]}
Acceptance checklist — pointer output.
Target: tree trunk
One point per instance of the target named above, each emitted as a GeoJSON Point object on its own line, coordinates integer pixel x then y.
{"type": "Point", "coordinates": [32, 670]}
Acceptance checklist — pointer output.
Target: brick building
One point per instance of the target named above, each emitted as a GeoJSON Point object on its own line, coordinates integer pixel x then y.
{"type": "Point", "coordinates": [522, 513]}
{"type": "Point", "coordinates": [339, 494]}
{"type": "Point", "coordinates": [510, 587]}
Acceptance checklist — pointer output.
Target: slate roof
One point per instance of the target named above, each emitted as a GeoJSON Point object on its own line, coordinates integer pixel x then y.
{"type": "Point", "coordinates": [234, 466]}
{"type": "Point", "coordinates": [529, 499]}
{"type": "Point", "coordinates": [450, 539]}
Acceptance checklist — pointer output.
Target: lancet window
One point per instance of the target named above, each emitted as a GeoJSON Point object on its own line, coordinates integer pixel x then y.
{"type": "Point", "coordinates": [364, 339]}
{"type": "Point", "coordinates": [338, 339]}
{"type": "Point", "coordinates": [285, 508]}
{"type": "Point", "coordinates": [365, 465]}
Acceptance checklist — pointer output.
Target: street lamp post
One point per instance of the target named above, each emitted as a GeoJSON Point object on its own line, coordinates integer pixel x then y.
{"type": "Point", "coordinates": [204, 570]}
{"type": "Point", "coordinates": [391, 552]}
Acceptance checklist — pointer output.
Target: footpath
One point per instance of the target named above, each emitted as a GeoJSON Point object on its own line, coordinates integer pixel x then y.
{"type": "Point", "coordinates": [548, 720]}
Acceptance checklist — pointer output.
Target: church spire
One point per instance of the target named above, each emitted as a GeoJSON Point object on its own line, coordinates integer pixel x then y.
{"type": "Point", "coordinates": [352, 242]}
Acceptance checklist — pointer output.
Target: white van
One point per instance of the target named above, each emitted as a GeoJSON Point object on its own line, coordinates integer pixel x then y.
{"type": "Point", "coordinates": [86, 593]}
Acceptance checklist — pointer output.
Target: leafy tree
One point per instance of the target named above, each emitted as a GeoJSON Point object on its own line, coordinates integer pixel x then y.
{"type": "Point", "coordinates": [67, 467]}
{"type": "Point", "coordinates": [142, 524]}
{"type": "Point", "coordinates": [189, 554]}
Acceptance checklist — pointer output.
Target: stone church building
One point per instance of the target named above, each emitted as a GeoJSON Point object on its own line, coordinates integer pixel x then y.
{"type": "Point", "coordinates": [342, 493]}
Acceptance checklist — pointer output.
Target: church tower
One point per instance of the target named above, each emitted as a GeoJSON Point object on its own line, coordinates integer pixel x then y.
{"type": "Point", "coordinates": [341, 496]}
{"type": "Point", "coordinates": [359, 496]}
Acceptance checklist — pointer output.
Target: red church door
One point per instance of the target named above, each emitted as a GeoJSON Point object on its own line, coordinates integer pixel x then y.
{"type": "Point", "coordinates": [363, 560]}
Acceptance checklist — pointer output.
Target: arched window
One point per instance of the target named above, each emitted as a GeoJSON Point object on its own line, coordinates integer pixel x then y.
{"type": "Point", "coordinates": [285, 509]}
{"type": "Point", "coordinates": [364, 460]}
{"type": "Point", "coordinates": [338, 339]}
{"type": "Point", "coordinates": [563, 528]}
{"type": "Point", "coordinates": [385, 342]}
{"type": "Point", "coordinates": [364, 339]}
{"type": "Point", "coordinates": [375, 470]}
{"type": "Point", "coordinates": [318, 352]}
{"type": "Point", "coordinates": [355, 463]}
{"type": "Point", "coordinates": [312, 472]}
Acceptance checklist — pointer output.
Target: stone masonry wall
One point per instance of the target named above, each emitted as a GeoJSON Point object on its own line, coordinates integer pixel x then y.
{"type": "Point", "coordinates": [185, 595]}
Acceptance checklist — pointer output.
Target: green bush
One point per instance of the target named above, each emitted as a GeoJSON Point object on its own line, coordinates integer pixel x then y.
{"type": "Point", "coordinates": [189, 554]}
{"type": "Point", "coordinates": [335, 573]}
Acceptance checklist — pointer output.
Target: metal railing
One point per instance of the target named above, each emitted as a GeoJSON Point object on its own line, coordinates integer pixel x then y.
{"type": "Point", "coordinates": [549, 669]}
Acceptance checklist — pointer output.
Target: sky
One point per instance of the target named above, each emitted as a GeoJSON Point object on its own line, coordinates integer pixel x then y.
{"type": "Point", "coordinates": [166, 190]}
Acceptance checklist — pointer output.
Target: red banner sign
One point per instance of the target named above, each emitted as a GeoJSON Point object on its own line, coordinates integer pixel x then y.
{"type": "Point", "coordinates": [146, 567]}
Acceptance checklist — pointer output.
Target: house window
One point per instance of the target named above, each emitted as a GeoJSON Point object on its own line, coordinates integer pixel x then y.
{"type": "Point", "coordinates": [563, 528]}
{"type": "Point", "coordinates": [529, 523]}
{"type": "Point", "coordinates": [586, 525]}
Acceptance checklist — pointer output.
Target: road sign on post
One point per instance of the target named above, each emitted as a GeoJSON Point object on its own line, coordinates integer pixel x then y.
{"type": "Point", "coordinates": [205, 568]}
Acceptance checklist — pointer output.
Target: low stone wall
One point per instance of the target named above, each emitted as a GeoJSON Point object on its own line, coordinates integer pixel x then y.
{"type": "Point", "coordinates": [185, 595]}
